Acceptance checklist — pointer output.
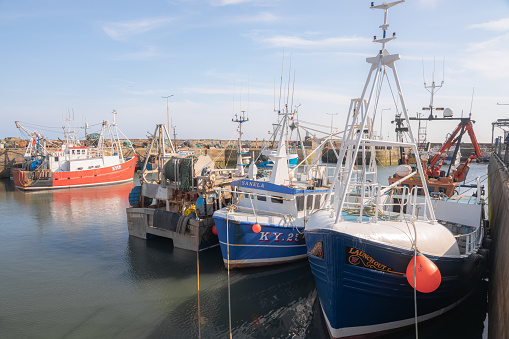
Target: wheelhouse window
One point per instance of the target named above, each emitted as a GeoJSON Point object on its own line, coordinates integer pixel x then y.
{"type": "Point", "coordinates": [309, 202]}
{"type": "Point", "coordinates": [261, 198]}
{"type": "Point", "coordinates": [300, 203]}
{"type": "Point", "coordinates": [317, 201]}
{"type": "Point", "coordinates": [277, 200]}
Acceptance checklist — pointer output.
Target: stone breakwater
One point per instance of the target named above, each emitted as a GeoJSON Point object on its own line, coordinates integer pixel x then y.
{"type": "Point", "coordinates": [223, 152]}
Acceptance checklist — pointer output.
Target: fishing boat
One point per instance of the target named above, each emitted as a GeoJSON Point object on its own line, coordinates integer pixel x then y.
{"type": "Point", "coordinates": [73, 164]}
{"type": "Point", "coordinates": [380, 259]}
{"type": "Point", "coordinates": [265, 222]}
{"type": "Point", "coordinates": [176, 197]}
{"type": "Point", "coordinates": [265, 162]}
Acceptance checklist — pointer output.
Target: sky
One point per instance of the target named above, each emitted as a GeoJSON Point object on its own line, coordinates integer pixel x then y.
{"type": "Point", "coordinates": [84, 59]}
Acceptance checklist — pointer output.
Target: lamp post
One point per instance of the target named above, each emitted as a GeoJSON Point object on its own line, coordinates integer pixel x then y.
{"type": "Point", "coordinates": [381, 114]}
{"type": "Point", "coordinates": [168, 110]}
{"type": "Point", "coordinates": [331, 120]}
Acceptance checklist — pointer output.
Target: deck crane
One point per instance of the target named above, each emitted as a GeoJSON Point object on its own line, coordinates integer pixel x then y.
{"type": "Point", "coordinates": [433, 168]}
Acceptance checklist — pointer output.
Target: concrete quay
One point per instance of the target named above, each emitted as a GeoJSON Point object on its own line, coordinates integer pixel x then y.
{"type": "Point", "coordinates": [498, 202]}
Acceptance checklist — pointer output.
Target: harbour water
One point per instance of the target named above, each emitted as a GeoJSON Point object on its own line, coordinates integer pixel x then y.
{"type": "Point", "coordinates": [70, 270]}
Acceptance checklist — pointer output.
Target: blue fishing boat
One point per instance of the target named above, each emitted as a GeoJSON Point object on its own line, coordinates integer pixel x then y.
{"type": "Point", "coordinates": [293, 159]}
{"type": "Point", "coordinates": [264, 224]}
{"type": "Point", "coordinates": [380, 259]}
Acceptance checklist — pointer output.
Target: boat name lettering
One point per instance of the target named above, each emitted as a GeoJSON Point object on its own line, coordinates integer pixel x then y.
{"type": "Point", "coordinates": [360, 258]}
{"type": "Point", "coordinates": [277, 237]}
{"type": "Point", "coordinates": [117, 167]}
{"type": "Point", "coordinates": [264, 236]}
{"type": "Point", "coordinates": [254, 184]}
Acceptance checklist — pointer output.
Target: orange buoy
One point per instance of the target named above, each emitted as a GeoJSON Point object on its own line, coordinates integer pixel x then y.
{"type": "Point", "coordinates": [427, 274]}
{"type": "Point", "coordinates": [214, 230]}
{"type": "Point", "coordinates": [257, 228]}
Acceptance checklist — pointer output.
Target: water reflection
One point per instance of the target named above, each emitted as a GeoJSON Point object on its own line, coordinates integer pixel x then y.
{"type": "Point", "coordinates": [275, 302]}
{"type": "Point", "coordinates": [78, 208]}
{"type": "Point", "coordinates": [70, 269]}
{"type": "Point", "coordinates": [467, 321]}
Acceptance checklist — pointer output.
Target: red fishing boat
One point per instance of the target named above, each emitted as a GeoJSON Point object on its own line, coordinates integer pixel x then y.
{"type": "Point", "coordinates": [72, 164]}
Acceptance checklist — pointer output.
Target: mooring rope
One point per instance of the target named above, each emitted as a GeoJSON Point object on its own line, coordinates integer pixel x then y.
{"type": "Point", "coordinates": [414, 243]}
{"type": "Point", "coordinates": [228, 210]}
{"type": "Point", "coordinates": [198, 274]}
{"type": "Point", "coordinates": [415, 284]}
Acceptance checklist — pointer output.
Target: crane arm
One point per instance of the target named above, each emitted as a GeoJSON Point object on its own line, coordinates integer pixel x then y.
{"type": "Point", "coordinates": [447, 144]}
{"type": "Point", "coordinates": [459, 174]}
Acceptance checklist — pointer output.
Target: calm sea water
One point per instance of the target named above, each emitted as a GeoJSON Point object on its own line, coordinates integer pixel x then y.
{"type": "Point", "coordinates": [70, 270]}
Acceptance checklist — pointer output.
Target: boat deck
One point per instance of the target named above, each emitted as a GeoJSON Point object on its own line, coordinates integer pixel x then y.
{"type": "Point", "coordinates": [462, 199]}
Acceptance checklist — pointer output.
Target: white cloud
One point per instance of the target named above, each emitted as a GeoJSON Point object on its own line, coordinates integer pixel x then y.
{"type": "Point", "coordinates": [123, 30]}
{"type": "Point", "coordinates": [489, 57]}
{"type": "Point", "coordinates": [429, 3]}
{"type": "Point", "coordinates": [299, 42]}
{"type": "Point", "coordinates": [225, 90]}
{"type": "Point", "coordinates": [260, 17]}
{"type": "Point", "coordinates": [325, 95]}
{"type": "Point", "coordinates": [495, 25]}
{"type": "Point", "coordinates": [229, 2]}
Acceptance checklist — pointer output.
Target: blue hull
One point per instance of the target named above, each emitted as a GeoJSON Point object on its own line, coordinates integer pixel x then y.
{"type": "Point", "coordinates": [273, 245]}
{"type": "Point", "coordinates": [363, 288]}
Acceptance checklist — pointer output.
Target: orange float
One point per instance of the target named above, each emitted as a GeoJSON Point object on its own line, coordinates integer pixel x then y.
{"type": "Point", "coordinates": [427, 274]}
{"type": "Point", "coordinates": [257, 228]}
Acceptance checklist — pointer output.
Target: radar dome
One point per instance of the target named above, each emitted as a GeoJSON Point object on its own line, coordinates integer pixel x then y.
{"type": "Point", "coordinates": [448, 112]}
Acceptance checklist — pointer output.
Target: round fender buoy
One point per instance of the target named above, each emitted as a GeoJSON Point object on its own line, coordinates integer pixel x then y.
{"type": "Point", "coordinates": [214, 230]}
{"type": "Point", "coordinates": [427, 274]}
{"type": "Point", "coordinates": [257, 228]}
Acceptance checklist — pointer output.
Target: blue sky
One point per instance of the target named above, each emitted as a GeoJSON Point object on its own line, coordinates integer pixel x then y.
{"type": "Point", "coordinates": [218, 57]}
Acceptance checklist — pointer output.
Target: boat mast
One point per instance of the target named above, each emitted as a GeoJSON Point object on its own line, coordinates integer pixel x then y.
{"type": "Point", "coordinates": [280, 173]}
{"type": "Point", "coordinates": [358, 118]}
{"type": "Point", "coordinates": [240, 119]}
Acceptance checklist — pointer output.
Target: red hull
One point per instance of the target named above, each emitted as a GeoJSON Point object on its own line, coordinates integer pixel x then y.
{"type": "Point", "coordinates": [28, 180]}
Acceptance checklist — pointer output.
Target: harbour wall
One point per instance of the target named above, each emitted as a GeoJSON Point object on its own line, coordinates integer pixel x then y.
{"type": "Point", "coordinates": [228, 157]}
{"type": "Point", "coordinates": [8, 157]}
{"type": "Point", "coordinates": [223, 152]}
{"type": "Point", "coordinates": [498, 201]}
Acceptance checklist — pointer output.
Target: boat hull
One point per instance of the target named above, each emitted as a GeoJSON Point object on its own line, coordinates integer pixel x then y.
{"type": "Point", "coordinates": [363, 288]}
{"type": "Point", "coordinates": [46, 180]}
{"type": "Point", "coordinates": [187, 233]}
{"type": "Point", "coordinates": [274, 244]}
